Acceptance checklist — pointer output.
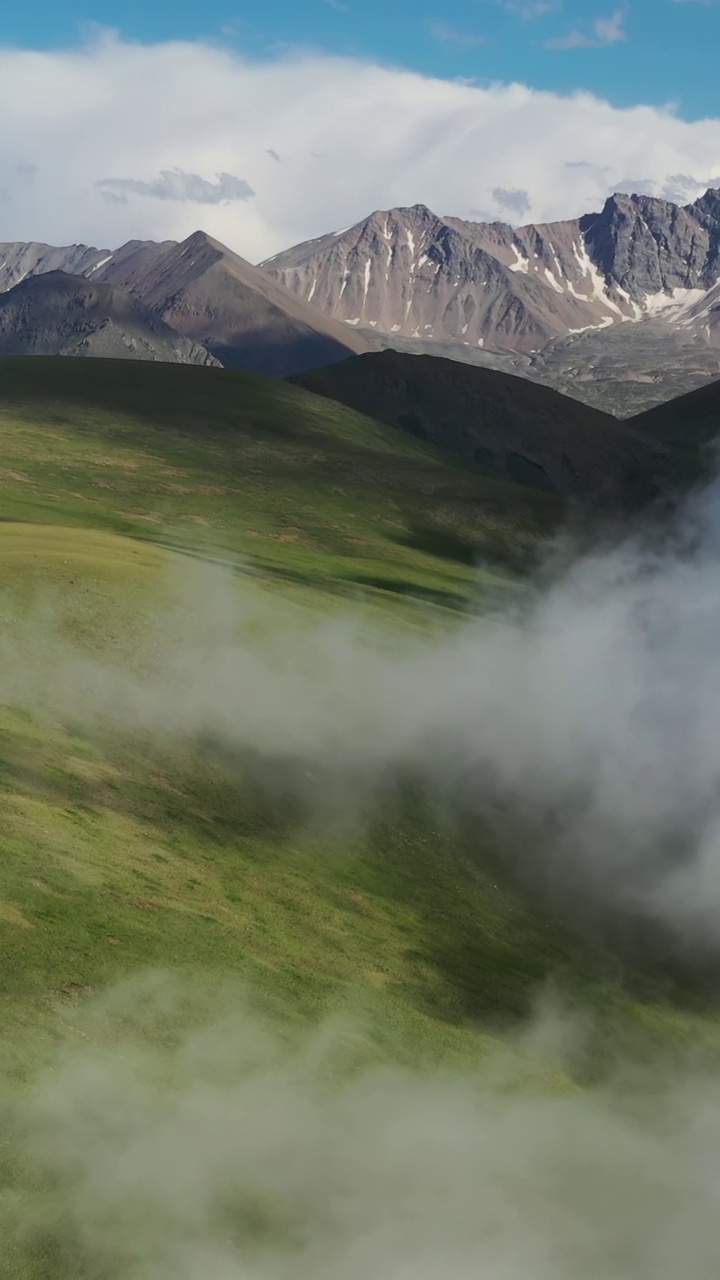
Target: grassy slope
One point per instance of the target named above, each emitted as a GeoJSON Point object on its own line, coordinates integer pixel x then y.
{"type": "Point", "coordinates": [121, 853]}
{"type": "Point", "coordinates": [240, 465]}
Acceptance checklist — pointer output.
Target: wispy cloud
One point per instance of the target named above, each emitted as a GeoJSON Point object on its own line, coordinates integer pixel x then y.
{"type": "Point", "coordinates": [611, 30]}
{"type": "Point", "coordinates": [446, 34]}
{"type": "Point", "coordinates": [530, 9]}
{"type": "Point", "coordinates": [339, 5]}
{"type": "Point", "coordinates": [26, 171]}
{"type": "Point", "coordinates": [514, 199]}
{"type": "Point", "coordinates": [603, 31]}
{"type": "Point", "coordinates": [173, 184]}
{"type": "Point", "coordinates": [678, 188]}
{"type": "Point", "coordinates": [588, 166]}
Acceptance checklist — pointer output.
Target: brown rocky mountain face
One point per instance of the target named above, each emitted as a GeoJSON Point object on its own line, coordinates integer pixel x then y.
{"type": "Point", "coordinates": [210, 296]}
{"type": "Point", "coordinates": [489, 291]}
{"type": "Point", "coordinates": [245, 318]}
{"type": "Point", "coordinates": [58, 314]}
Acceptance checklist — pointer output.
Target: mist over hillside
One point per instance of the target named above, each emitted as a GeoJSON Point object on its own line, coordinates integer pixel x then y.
{"type": "Point", "coordinates": [590, 704]}
{"type": "Point", "coordinates": [360, 641]}
{"type": "Point", "coordinates": [175, 1133]}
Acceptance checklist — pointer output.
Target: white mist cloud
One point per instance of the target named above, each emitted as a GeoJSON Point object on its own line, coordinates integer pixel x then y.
{"type": "Point", "coordinates": [529, 10]}
{"type": "Point", "coordinates": [217, 1152]}
{"type": "Point", "coordinates": [353, 136]}
{"type": "Point", "coordinates": [595, 716]}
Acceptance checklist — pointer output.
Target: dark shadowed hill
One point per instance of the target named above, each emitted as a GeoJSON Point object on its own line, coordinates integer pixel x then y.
{"type": "Point", "coordinates": [59, 314]}
{"type": "Point", "coordinates": [512, 428]}
{"type": "Point", "coordinates": [686, 422]}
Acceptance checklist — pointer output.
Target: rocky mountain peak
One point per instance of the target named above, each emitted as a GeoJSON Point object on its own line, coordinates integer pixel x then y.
{"type": "Point", "coordinates": [707, 210]}
{"type": "Point", "coordinates": [408, 272]}
{"type": "Point", "coordinates": [648, 246]}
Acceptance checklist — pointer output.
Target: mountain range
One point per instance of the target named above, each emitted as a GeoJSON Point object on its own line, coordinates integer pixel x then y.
{"type": "Point", "coordinates": [517, 289]}
{"type": "Point", "coordinates": [197, 289]}
{"type": "Point", "coordinates": [628, 295]}
{"type": "Point", "coordinates": [620, 309]}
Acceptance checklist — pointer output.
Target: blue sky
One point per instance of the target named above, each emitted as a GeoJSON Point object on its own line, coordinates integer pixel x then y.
{"type": "Point", "coordinates": [668, 52]}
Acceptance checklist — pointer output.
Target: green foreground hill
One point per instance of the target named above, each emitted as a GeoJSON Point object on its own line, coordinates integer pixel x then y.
{"type": "Point", "coordinates": [112, 476]}
{"type": "Point", "coordinates": [238, 464]}
{"type": "Point", "coordinates": [130, 847]}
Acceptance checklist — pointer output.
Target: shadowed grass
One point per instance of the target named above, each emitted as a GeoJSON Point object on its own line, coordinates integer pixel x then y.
{"type": "Point", "coordinates": [229, 463]}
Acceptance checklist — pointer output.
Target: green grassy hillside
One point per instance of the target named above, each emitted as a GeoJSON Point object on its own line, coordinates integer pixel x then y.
{"type": "Point", "coordinates": [109, 472]}
{"type": "Point", "coordinates": [128, 848]}
{"type": "Point", "coordinates": [249, 467]}
{"type": "Point", "coordinates": [112, 474]}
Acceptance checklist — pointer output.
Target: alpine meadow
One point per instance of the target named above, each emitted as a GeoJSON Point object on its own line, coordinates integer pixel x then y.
{"type": "Point", "coordinates": [359, 644]}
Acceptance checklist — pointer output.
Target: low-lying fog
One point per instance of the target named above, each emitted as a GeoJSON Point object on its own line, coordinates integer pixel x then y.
{"type": "Point", "coordinates": [596, 716]}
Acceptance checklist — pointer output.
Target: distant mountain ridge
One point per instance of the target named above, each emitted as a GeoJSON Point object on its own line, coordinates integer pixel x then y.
{"type": "Point", "coordinates": [59, 314]}
{"type": "Point", "coordinates": [620, 309]}
{"type": "Point", "coordinates": [206, 293]}
{"type": "Point", "coordinates": [410, 272]}
{"type": "Point", "coordinates": [571, 304]}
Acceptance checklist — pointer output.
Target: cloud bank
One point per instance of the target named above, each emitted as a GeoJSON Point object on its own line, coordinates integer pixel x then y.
{"type": "Point", "coordinates": [114, 119]}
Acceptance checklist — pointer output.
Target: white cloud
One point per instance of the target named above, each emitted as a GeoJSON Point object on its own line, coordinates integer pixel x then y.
{"type": "Point", "coordinates": [353, 136]}
{"type": "Point", "coordinates": [611, 30]}
{"type": "Point", "coordinates": [602, 31]}
{"type": "Point", "coordinates": [529, 9]}
{"type": "Point", "coordinates": [447, 34]}
{"type": "Point", "coordinates": [678, 188]}
{"type": "Point", "coordinates": [173, 184]}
